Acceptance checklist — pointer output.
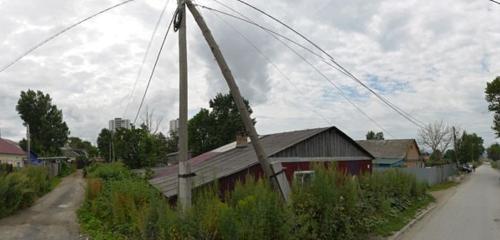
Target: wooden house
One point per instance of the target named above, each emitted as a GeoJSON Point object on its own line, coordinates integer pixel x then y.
{"type": "Point", "coordinates": [292, 153]}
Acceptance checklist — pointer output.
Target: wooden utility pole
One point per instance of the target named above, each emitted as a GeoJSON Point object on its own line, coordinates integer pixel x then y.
{"type": "Point", "coordinates": [184, 191]}
{"type": "Point", "coordinates": [235, 92]}
{"type": "Point", "coordinates": [455, 145]}
{"type": "Point", "coordinates": [28, 144]}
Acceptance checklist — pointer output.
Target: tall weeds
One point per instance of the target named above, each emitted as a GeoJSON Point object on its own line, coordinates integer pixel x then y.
{"type": "Point", "coordinates": [331, 206]}
{"type": "Point", "coordinates": [21, 188]}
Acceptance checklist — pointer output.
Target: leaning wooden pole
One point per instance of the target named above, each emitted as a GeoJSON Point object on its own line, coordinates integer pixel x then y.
{"type": "Point", "coordinates": [235, 92]}
{"type": "Point", "coordinates": [184, 191]}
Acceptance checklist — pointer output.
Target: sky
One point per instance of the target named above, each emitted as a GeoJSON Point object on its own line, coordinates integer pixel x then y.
{"type": "Point", "coordinates": [430, 58]}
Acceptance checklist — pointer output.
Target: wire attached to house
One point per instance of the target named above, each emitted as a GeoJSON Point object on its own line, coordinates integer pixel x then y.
{"type": "Point", "coordinates": [339, 68]}
{"type": "Point", "coordinates": [40, 44]}
{"type": "Point", "coordinates": [310, 64]}
{"type": "Point", "coordinates": [344, 70]}
{"type": "Point", "coordinates": [146, 54]}
{"type": "Point", "coordinates": [154, 68]}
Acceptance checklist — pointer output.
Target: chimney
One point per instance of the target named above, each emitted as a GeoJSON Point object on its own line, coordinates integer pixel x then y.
{"type": "Point", "coordinates": [241, 140]}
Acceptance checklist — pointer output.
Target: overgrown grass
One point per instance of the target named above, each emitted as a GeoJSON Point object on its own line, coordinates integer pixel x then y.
{"type": "Point", "coordinates": [397, 221]}
{"type": "Point", "coordinates": [21, 188]}
{"type": "Point", "coordinates": [442, 186]}
{"type": "Point", "coordinates": [120, 205]}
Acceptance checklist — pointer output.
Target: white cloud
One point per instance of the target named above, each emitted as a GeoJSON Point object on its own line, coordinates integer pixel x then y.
{"type": "Point", "coordinates": [432, 59]}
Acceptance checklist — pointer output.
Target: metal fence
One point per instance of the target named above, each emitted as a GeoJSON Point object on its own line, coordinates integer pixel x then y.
{"type": "Point", "coordinates": [431, 175]}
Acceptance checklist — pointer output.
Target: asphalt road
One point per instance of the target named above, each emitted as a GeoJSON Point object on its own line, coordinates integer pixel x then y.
{"type": "Point", "coordinates": [51, 217]}
{"type": "Point", "coordinates": [471, 213]}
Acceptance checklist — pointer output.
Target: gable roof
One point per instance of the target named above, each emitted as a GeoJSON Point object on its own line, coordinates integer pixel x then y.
{"type": "Point", "coordinates": [229, 159]}
{"type": "Point", "coordinates": [392, 148]}
{"type": "Point", "coordinates": [10, 147]}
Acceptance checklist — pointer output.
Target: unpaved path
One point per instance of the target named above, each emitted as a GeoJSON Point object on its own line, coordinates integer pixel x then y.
{"type": "Point", "coordinates": [51, 217]}
{"type": "Point", "coordinates": [471, 213]}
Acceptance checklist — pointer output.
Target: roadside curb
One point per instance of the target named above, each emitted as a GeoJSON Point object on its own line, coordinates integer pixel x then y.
{"type": "Point", "coordinates": [419, 216]}
{"type": "Point", "coordinates": [426, 211]}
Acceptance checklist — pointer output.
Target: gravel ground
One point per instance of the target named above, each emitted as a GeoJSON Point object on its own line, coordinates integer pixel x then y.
{"type": "Point", "coordinates": [51, 217]}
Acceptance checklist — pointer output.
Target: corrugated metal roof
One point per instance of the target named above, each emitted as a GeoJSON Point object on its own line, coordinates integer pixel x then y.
{"type": "Point", "coordinates": [10, 147]}
{"type": "Point", "coordinates": [215, 165]}
{"type": "Point", "coordinates": [392, 148]}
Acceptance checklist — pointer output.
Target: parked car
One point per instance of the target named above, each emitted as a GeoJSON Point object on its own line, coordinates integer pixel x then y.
{"type": "Point", "coordinates": [467, 168]}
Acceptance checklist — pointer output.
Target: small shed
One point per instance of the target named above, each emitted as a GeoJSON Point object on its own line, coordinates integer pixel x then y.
{"type": "Point", "coordinates": [393, 152]}
{"type": "Point", "coordinates": [292, 152]}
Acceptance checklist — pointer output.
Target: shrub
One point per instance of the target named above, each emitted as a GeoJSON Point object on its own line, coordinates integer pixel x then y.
{"type": "Point", "coordinates": [333, 205]}
{"type": "Point", "coordinates": [21, 188]}
{"type": "Point", "coordinates": [111, 171]}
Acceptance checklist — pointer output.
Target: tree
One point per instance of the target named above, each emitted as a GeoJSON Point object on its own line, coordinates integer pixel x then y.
{"type": "Point", "coordinates": [172, 142]}
{"type": "Point", "coordinates": [211, 129]}
{"type": "Point", "coordinates": [436, 136]}
{"type": "Point", "coordinates": [48, 131]}
{"type": "Point", "coordinates": [77, 143]}
{"type": "Point", "coordinates": [371, 135]}
{"type": "Point", "coordinates": [104, 144]}
{"type": "Point", "coordinates": [494, 152]}
{"type": "Point", "coordinates": [469, 147]}
{"type": "Point", "coordinates": [493, 98]}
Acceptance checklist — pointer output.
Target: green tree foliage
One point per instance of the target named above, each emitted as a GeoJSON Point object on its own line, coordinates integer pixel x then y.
{"type": "Point", "coordinates": [470, 147]}
{"type": "Point", "coordinates": [211, 129]}
{"type": "Point", "coordinates": [172, 142]}
{"type": "Point", "coordinates": [77, 143]}
{"type": "Point", "coordinates": [493, 97]}
{"type": "Point", "coordinates": [136, 147]}
{"type": "Point", "coordinates": [104, 144]}
{"type": "Point", "coordinates": [371, 135]}
{"type": "Point", "coordinates": [494, 152]}
{"type": "Point", "coordinates": [48, 130]}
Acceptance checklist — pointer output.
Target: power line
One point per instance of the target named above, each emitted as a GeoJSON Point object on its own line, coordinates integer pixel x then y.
{"type": "Point", "coordinates": [387, 102]}
{"type": "Point", "coordinates": [310, 64]}
{"type": "Point", "coordinates": [263, 55]}
{"type": "Point", "coordinates": [61, 32]}
{"type": "Point", "coordinates": [154, 67]}
{"type": "Point", "coordinates": [495, 2]}
{"type": "Point", "coordinates": [146, 54]}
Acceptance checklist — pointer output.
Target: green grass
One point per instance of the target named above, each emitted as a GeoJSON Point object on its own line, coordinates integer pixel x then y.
{"type": "Point", "coordinates": [442, 186]}
{"type": "Point", "coordinates": [399, 220]}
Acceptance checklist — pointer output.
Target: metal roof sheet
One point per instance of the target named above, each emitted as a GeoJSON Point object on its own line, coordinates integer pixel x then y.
{"type": "Point", "coordinates": [214, 165]}
{"type": "Point", "coordinates": [10, 147]}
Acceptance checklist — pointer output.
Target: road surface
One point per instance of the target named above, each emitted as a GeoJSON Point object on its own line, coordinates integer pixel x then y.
{"type": "Point", "coordinates": [51, 217]}
{"type": "Point", "coordinates": [471, 213]}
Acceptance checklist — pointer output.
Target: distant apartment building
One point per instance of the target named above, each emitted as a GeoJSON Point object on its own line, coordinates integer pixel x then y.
{"type": "Point", "coordinates": [174, 125]}
{"type": "Point", "coordinates": [117, 123]}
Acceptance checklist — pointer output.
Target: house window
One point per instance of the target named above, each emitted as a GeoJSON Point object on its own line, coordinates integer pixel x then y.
{"type": "Point", "coordinates": [303, 177]}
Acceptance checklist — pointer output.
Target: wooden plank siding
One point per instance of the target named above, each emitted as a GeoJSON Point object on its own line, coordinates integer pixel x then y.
{"type": "Point", "coordinates": [325, 144]}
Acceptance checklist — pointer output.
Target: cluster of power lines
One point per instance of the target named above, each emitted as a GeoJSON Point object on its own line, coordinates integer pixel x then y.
{"type": "Point", "coordinates": [323, 56]}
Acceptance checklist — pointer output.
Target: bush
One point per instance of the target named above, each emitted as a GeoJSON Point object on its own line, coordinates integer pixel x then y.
{"type": "Point", "coordinates": [333, 205]}
{"type": "Point", "coordinates": [111, 171]}
{"type": "Point", "coordinates": [21, 188]}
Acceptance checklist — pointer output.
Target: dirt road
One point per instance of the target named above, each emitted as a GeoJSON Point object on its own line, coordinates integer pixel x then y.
{"type": "Point", "coordinates": [51, 217]}
{"type": "Point", "coordinates": [472, 212]}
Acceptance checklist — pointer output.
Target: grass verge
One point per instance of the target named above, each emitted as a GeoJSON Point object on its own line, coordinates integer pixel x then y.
{"type": "Point", "coordinates": [443, 186]}
{"type": "Point", "coordinates": [397, 221]}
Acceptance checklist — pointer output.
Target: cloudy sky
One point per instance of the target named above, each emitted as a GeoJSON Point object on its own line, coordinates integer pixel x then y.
{"type": "Point", "coordinates": [431, 58]}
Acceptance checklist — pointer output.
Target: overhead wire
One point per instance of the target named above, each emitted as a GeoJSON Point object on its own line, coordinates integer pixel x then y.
{"type": "Point", "coordinates": [38, 45]}
{"type": "Point", "coordinates": [146, 54]}
{"type": "Point", "coordinates": [495, 2]}
{"type": "Point", "coordinates": [310, 64]}
{"type": "Point", "coordinates": [268, 59]}
{"type": "Point", "coordinates": [154, 67]}
{"type": "Point", "coordinates": [387, 102]}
